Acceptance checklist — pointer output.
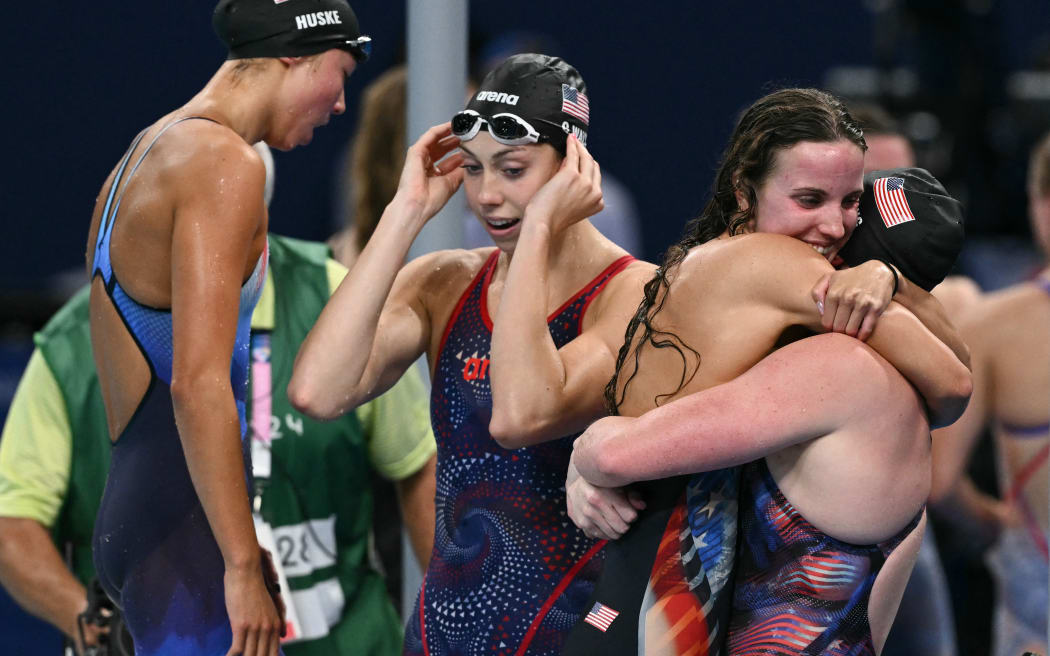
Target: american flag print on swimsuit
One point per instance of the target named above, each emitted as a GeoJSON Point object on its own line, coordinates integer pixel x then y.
{"type": "Point", "coordinates": [799, 591]}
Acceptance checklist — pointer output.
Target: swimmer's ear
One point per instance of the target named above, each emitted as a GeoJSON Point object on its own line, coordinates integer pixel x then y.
{"type": "Point", "coordinates": [290, 61]}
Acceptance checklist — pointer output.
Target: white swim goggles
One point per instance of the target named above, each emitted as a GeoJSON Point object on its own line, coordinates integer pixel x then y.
{"type": "Point", "coordinates": [508, 129]}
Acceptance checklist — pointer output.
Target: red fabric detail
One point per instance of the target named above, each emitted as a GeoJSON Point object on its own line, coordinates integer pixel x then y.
{"type": "Point", "coordinates": [547, 605]}
{"type": "Point", "coordinates": [463, 299]}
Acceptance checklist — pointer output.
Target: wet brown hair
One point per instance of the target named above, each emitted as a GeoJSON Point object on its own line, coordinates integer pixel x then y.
{"type": "Point", "coordinates": [773, 123]}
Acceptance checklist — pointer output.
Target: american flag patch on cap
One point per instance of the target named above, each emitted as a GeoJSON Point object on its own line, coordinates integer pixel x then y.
{"type": "Point", "coordinates": [601, 616]}
{"type": "Point", "coordinates": [889, 198]}
{"type": "Point", "coordinates": [575, 103]}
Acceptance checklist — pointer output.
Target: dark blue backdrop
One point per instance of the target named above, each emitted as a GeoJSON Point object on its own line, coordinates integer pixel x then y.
{"type": "Point", "coordinates": [666, 80]}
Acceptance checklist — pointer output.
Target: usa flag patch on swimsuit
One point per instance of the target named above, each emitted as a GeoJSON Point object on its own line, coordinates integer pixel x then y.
{"type": "Point", "coordinates": [601, 616]}
{"type": "Point", "coordinates": [889, 198]}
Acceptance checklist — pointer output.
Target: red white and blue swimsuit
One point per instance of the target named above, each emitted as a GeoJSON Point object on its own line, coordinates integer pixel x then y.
{"type": "Point", "coordinates": [799, 590]}
{"type": "Point", "coordinates": [510, 573]}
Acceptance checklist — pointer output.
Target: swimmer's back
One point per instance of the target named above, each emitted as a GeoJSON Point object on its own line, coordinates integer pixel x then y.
{"type": "Point", "coordinates": [717, 305]}
{"type": "Point", "coordinates": [190, 165]}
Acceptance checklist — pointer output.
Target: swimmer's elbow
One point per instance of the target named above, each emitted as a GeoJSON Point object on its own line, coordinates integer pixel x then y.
{"type": "Point", "coordinates": [311, 401]}
{"type": "Point", "coordinates": [515, 429]}
{"type": "Point", "coordinates": [952, 402]}
{"type": "Point", "coordinates": [506, 430]}
{"type": "Point", "coordinates": [611, 469]}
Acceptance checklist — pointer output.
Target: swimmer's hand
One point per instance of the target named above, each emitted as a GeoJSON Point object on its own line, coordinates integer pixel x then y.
{"type": "Point", "coordinates": [573, 194]}
{"type": "Point", "coordinates": [254, 618]}
{"type": "Point", "coordinates": [273, 586]}
{"type": "Point", "coordinates": [429, 178]}
{"type": "Point", "coordinates": [602, 513]}
{"type": "Point", "coordinates": [851, 300]}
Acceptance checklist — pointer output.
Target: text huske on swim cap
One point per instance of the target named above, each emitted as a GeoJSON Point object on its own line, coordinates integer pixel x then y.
{"type": "Point", "coordinates": [317, 19]}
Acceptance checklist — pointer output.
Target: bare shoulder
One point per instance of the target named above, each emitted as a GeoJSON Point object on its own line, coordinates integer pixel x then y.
{"type": "Point", "coordinates": [739, 261]}
{"type": "Point", "coordinates": [203, 153]}
{"type": "Point", "coordinates": [629, 282]}
{"type": "Point", "coordinates": [443, 275]}
{"type": "Point", "coordinates": [771, 248]}
{"type": "Point", "coordinates": [620, 297]}
{"type": "Point", "coordinates": [957, 294]}
{"type": "Point", "coordinates": [1008, 316]}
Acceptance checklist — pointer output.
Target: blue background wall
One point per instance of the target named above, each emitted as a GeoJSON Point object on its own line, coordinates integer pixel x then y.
{"type": "Point", "coordinates": [666, 81]}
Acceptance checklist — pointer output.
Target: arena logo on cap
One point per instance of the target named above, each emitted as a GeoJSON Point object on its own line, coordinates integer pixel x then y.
{"type": "Point", "coordinates": [317, 18]}
{"type": "Point", "coordinates": [279, 2]}
{"type": "Point", "coordinates": [496, 96]}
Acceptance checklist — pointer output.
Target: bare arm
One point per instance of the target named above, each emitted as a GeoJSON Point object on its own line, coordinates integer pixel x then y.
{"type": "Point", "coordinates": [33, 572]}
{"type": "Point", "coordinates": [215, 229]}
{"type": "Point", "coordinates": [799, 392]}
{"type": "Point", "coordinates": [932, 314]}
{"type": "Point", "coordinates": [928, 363]}
{"type": "Point", "coordinates": [953, 445]}
{"type": "Point", "coordinates": [375, 325]}
{"type": "Point", "coordinates": [853, 299]}
{"type": "Point", "coordinates": [937, 373]}
{"type": "Point", "coordinates": [563, 390]}
{"type": "Point", "coordinates": [415, 495]}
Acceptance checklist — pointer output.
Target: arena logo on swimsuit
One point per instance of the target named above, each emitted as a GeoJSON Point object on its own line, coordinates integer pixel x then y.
{"type": "Point", "coordinates": [313, 19]}
{"type": "Point", "coordinates": [475, 368]}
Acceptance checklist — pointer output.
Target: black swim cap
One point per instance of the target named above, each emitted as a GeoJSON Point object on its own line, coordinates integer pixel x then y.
{"type": "Point", "coordinates": [288, 28]}
{"type": "Point", "coordinates": [538, 87]}
{"type": "Point", "coordinates": [910, 221]}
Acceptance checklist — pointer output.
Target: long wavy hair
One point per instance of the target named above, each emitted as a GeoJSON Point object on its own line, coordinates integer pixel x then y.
{"type": "Point", "coordinates": [774, 123]}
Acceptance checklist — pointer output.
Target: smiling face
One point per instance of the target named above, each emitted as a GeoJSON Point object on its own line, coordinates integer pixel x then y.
{"type": "Point", "coordinates": [314, 86]}
{"type": "Point", "coordinates": [812, 194]}
{"type": "Point", "coordinates": [500, 181]}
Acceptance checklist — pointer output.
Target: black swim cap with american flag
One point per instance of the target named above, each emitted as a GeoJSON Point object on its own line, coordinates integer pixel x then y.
{"type": "Point", "coordinates": [541, 87]}
{"type": "Point", "coordinates": [909, 221]}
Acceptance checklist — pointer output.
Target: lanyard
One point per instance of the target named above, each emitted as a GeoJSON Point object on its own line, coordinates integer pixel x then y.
{"type": "Point", "coordinates": [262, 398]}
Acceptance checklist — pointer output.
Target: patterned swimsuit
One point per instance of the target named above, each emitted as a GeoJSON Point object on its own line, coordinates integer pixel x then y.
{"type": "Point", "coordinates": [510, 573]}
{"type": "Point", "coordinates": [153, 548]}
{"type": "Point", "coordinates": [798, 590]}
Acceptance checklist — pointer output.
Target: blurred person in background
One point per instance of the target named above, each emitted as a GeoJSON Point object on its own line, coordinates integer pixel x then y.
{"type": "Point", "coordinates": [372, 166]}
{"type": "Point", "coordinates": [924, 622]}
{"type": "Point", "coordinates": [1007, 334]}
{"type": "Point", "coordinates": [54, 455]}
